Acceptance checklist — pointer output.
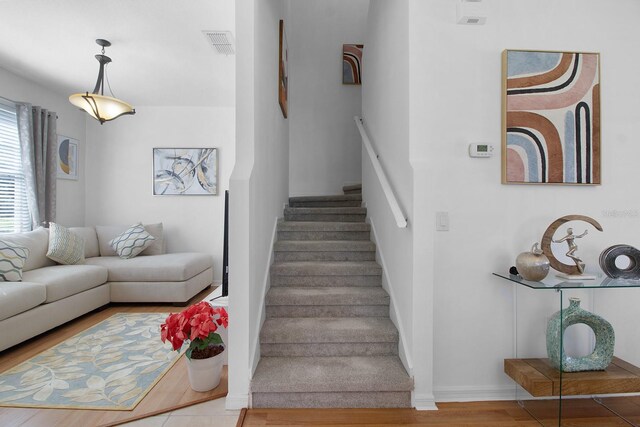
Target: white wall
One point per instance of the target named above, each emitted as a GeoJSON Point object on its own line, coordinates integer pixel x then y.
{"type": "Point", "coordinates": [325, 146]}
{"type": "Point", "coordinates": [119, 185]}
{"type": "Point", "coordinates": [71, 123]}
{"type": "Point", "coordinates": [385, 112]}
{"type": "Point", "coordinates": [259, 184]}
{"type": "Point", "coordinates": [455, 85]}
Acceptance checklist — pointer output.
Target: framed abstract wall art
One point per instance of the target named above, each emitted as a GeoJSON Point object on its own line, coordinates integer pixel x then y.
{"type": "Point", "coordinates": [352, 64]}
{"type": "Point", "coordinates": [550, 117]}
{"type": "Point", "coordinates": [185, 171]}
{"type": "Point", "coordinates": [283, 71]}
{"type": "Point", "coordinates": [67, 158]}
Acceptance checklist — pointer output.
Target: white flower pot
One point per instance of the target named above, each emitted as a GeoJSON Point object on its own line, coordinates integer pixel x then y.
{"type": "Point", "coordinates": [204, 374]}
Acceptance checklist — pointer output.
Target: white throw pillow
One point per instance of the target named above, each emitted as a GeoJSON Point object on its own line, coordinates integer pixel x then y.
{"type": "Point", "coordinates": [65, 247]}
{"type": "Point", "coordinates": [12, 259]}
{"type": "Point", "coordinates": [132, 241]}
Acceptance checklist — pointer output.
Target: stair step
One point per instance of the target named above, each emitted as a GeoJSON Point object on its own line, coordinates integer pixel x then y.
{"type": "Point", "coordinates": [318, 336]}
{"type": "Point", "coordinates": [352, 189]}
{"type": "Point", "coordinates": [318, 330]}
{"type": "Point", "coordinates": [341, 374]}
{"type": "Point", "coordinates": [323, 230]}
{"type": "Point", "coordinates": [336, 214]}
{"type": "Point", "coordinates": [326, 281]}
{"type": "Point", "coordinates": [323, 226]}
{"type": "Point", "coordinates": [336, 296]}
{"type": "Point", "coordinates": [325, 273]}
{"type": "Point", "coordinates": [293, 301]}
{"type": "Point", "coordinates": [310, 268]}
{"type": "Point", "coordinates": [342, 200]}
{"type": "Point", "coordinates": [327, 250]}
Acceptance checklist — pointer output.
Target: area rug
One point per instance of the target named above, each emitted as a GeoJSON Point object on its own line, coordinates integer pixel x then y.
{"type": "Point", "coordinates": [110, 366]}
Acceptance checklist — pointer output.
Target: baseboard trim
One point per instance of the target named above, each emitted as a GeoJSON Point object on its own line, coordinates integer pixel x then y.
{"type": "Point", "coordinates": [255, 345]}
{"type": "Point", "coordinates": [236, 401]}
{"type": "Point", "coordinates": [474, 394]}
{"type": "Point", "coordinates": [423, 402]}
{"type": "Point", "coordinates": [404, 354]}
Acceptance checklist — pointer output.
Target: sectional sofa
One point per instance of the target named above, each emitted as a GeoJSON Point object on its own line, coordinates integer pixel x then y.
{"type": "Point", "coordinates": [51, 294]}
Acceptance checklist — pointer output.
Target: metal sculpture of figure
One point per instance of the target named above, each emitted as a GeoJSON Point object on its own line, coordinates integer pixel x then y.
{"type": "Point", "coordinates": [570, 239]}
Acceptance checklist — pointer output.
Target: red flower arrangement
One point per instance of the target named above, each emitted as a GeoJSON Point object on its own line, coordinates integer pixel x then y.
{"type": "Point", "coordinates": [196, 324]}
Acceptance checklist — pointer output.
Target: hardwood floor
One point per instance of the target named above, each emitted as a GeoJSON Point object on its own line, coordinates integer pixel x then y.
{"type": "Point", "coordinates": [170, 393]}
{"type": "Point", "coordinates": [578, 412]}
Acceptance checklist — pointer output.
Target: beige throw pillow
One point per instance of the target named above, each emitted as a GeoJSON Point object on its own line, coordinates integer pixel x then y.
{"type": "Point", "coordinates": [132, 241]}
{"type": "Point", "coordinates": [65, 247]}
{"type": "Point", "coordinates": [12, 259]}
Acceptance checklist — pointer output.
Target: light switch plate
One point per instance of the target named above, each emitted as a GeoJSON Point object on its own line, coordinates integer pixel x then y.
{"type": "Point", "coordinates": [442, 221]}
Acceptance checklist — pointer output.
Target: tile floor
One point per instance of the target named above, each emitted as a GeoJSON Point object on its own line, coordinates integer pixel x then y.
{"type": "Point", "coordinates": [205, 414]}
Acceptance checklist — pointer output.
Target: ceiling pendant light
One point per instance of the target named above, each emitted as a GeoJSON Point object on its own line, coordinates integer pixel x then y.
{"type": "Point", "coordinates": [96, 104]}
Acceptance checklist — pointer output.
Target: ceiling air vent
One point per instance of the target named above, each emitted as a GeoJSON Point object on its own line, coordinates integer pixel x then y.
{"type": "Point", "coordinates": [222, 41]}
{"type": "Point", "coordinates": [471, 12]}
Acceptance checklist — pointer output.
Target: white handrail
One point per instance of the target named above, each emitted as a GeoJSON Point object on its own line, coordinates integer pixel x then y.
{"type": "Point", "coordinates": [401, 219]}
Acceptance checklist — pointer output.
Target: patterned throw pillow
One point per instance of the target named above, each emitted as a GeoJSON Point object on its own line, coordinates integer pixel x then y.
{"type": "Point", "coordinates": [65, 247]}
{"type": "Point", "coordinates": [132, 241]}
{"type": "Point", "coordinates": [12, 259]}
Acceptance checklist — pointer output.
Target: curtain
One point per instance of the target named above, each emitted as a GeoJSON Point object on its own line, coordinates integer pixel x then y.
{"type": "Point", "coordinates": [37, 130]}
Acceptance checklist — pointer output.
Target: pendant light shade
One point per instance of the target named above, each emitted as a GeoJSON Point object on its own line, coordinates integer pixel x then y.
{"type": "Point", "coordinates": [96, 104]}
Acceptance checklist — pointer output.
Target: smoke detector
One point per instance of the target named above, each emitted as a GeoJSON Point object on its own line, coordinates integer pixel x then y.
{"type": "Point", "coordinates": [222, 41]}
{"type": "Point", "coordinates": [471, 12]}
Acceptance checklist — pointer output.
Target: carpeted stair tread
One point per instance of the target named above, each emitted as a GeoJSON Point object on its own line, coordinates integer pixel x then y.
{"type": "Point", "coordinates": [330, 374]}
{"type": "Point", "coordinates": [352, 189]}
{"type": "Point", "coordinates": [327, 211]}
{"type": "Point", "coordinates": [330, 198]}
{"type": "Point", "coordinates": [325, 268]}
{"type": "Point", "coordinates": [310, 296]}
{"type": "Point", "coordinates": [341, 214]}
{"type": "Point", "coordinates": [322, 226]}
{"type": "Point", "coordinates": [328, 330]}
{"type": "Point", "coordinates": [344, 200]}
{"type": "Point", "coordinates": [323, 230]}
{"type": "Point", "coordinates": [324, 246]}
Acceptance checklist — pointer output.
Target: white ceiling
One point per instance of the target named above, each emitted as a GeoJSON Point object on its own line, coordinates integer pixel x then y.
{"type": "Point", "coordinates": [160, 55]}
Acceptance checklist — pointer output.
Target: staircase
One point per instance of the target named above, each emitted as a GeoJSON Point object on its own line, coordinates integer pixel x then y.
{"type": "Point", "coordinates": [327, 341]}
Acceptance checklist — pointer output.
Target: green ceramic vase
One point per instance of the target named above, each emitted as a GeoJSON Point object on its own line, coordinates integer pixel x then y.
{"type": "Point", "coordinates": [602, 354]}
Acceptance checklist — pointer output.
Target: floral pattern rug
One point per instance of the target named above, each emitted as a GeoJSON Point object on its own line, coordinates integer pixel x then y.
{"type": "Point", "coordinates": [111, 365]}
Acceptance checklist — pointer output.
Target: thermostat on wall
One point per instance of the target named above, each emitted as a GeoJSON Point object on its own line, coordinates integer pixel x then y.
{"type": "Point", "coordinates": [480, 150]}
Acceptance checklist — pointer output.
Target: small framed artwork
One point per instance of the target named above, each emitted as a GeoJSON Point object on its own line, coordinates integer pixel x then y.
{"type": "Point", "coordinates": [67, 167]}
{"type": "Point", "coordinates": [283, 71]}
{"type": "Point", "coordinates": [550, 117]}
{"type": "Point", "coordinates": [352, 64]}
{"type": "Point", "coordinates": [185, 171]}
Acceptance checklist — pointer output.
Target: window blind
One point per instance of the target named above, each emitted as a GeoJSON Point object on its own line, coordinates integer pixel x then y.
{"type": "Point", "coordinates": [14, 210]}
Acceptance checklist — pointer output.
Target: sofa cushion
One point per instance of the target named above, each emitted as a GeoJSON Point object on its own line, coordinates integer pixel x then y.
{"type": "Point", "coordinates": [157, 246]}
{"type": "Point", "coordinates": [106, 233]}
{"type": "Point", "coordinates": [132, 241]}
{"type": "Point", "coordinates": [91, 247]}
{"type": "Point", "coordinates": [16, 298]}
{"type": "Point", "coordinates": [62, 281]}
{"type": "Point", "coordinates": [176, 267]}
{"type": "Point", "coordinates": [37, 241]}
{"type": "Point", "coordinates": [12, 259]}
{"type": "Point", "coordinates": [65, 247]}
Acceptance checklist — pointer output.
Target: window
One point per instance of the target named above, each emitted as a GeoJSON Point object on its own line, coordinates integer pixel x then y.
{"type": "Point", "coordinates": [14, 211]}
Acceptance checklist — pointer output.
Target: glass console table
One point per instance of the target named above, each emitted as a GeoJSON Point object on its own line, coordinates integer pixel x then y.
{"type": "Point", "coordinates": [556, 398]}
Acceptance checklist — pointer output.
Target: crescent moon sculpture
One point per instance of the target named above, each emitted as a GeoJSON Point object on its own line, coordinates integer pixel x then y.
{"type": "Point", "coordinates": [547, 238]}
